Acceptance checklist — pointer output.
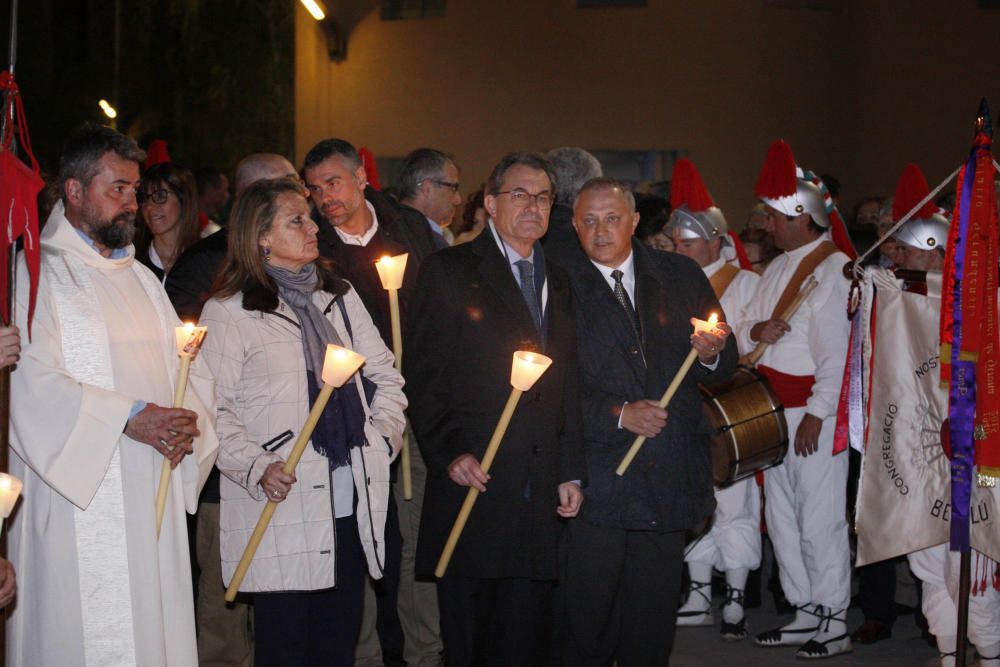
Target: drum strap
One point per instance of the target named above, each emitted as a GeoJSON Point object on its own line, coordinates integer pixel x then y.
{"type": "Point", "coordinates": [803, 271]}
{"type": "Point", "coordinates": [722, 278]}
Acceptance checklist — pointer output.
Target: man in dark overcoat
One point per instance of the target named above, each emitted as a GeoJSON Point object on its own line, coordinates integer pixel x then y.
{"type": "Point", "coordinates": [474, 306]}
{"type": "Point", "coordinates": [625, 551]}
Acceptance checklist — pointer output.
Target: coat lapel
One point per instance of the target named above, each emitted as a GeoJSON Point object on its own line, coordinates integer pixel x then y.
{"type": "Point", "coordinates": [600, 298]}
{"type": "Point", "coordinates": [496, 273]}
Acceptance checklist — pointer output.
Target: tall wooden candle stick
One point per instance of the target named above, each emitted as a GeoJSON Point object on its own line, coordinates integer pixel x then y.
{"type": "Point", "coordinates": [390, 272]}
{"type": "Point", "coordinates": [525, 370]}
{"type": "Point", "coordinates": [189, 339]}
{"type": "Point", "coordinates": [699, 326]}
{"type": "Point", "coordinates": [338, 367]}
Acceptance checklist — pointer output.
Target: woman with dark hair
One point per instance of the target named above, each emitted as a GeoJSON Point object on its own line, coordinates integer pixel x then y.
{"type": "Point", "coordinates": [168, 211]}
{"type": "Point", "coordinates": [473, 219]}
{"type": "Point", "coordinates": [276, 305]}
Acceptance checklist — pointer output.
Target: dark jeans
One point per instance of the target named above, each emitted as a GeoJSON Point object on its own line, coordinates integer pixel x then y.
{"type": "Point", "coordinates": [315, 628]}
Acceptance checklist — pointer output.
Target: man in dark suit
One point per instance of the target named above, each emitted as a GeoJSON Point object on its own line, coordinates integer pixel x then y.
{"type": "Point", "coordinates": [625, 552]}
{"type": "Point", "coordinates": [475, 305]}
{"type": "Point", "coordinates": [359, 225]}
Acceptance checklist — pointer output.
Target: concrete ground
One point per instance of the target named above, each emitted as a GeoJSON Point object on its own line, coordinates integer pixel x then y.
{"type": "Point", "coordinates": [703, 647]}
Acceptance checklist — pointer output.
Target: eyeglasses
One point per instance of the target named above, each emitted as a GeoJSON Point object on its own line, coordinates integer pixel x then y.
{"type": "Point", "coordinates": [156, 196]}
{"type": "Point", "coordinates": [521, 198]}
{"type": "Point", "coordinates": [451, 185]}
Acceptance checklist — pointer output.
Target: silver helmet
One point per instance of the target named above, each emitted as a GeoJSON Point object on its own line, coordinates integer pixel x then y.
{"type": "Point", "coordinates": [708, 224]}
{"type": "Point", "coordinates": [808, 198]}
{"type": "Point", "coordinates": [924, 233]}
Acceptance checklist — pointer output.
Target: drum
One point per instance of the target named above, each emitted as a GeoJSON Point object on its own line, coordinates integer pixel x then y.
{"type": "Point", "coordinates": [749, 431]}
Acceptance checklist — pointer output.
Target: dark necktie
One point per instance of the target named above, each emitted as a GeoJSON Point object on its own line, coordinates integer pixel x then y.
{"type": "Point", "coordinates": [623, 299]}
{"type": "Point", "coordinates": [527, 271]}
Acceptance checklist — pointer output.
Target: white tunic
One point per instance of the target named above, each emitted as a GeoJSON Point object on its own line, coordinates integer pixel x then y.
{"type": "Point", "coordinates": [806, 496]}
{"type": "Point", "coordinates": [733, 542]}
{"type": "Point", "coordinates": [737, 296]}
{"type": "Point", "coordinates": [97, 588]}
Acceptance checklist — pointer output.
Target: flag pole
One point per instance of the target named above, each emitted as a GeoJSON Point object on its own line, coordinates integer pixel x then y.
{"type": "Point", "coordinates": [6, 124]}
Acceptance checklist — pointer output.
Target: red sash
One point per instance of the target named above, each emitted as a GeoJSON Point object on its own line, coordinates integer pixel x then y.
{"type": "Point", "coordinates": [793, 390]}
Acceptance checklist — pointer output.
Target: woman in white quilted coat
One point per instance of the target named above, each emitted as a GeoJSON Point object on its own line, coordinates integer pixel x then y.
{"type": "Point", "coordinates": [276, 305]}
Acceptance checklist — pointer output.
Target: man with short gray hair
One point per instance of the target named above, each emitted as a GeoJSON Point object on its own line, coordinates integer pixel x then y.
{"type": "Point", "coordinates": [428, 182]}
{"type": "Point", "coordinates": [573, 167]}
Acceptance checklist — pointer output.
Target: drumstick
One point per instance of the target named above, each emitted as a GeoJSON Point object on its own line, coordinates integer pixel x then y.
{"type": "Point", "coordinates": [751, 359]}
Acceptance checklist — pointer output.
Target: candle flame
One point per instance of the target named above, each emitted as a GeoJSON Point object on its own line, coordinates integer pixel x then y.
{"type": "Point", "coordinates": [188, 327]}
{"type": "Point", "coordinates": [5, 483]}
{"type": "Point", "coordinates": [713, 318]}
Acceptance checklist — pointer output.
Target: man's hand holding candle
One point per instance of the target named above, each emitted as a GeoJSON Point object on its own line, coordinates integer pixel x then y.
{"type": "Point", "coordinates": [170, 431]}
{"type": "Point", "coordinates": [710, 342]}
{"type": "Point", "coordinates": [466, 471]}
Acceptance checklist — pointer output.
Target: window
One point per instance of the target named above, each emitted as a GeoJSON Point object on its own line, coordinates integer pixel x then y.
{"type": "Point", "coordinates": [395, 10]}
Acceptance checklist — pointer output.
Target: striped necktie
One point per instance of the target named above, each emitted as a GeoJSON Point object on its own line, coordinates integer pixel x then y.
{"type": "Point", "coordinates": [625, 301]}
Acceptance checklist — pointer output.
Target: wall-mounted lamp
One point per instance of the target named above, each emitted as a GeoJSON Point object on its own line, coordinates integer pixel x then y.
{"type": "Point", "coordinates": [108, 110]}
{"type": "Point", "coordinates": [336, 45]}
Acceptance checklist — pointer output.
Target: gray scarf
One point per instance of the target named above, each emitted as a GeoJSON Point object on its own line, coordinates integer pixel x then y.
{"type": "Point", "coordinates": [341, 426]}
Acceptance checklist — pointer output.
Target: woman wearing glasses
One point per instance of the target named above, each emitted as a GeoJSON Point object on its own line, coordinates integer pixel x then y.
{"type": "Point", "coordinates": [168, 208]}
{"type": "Point", "coordinates": [276, 306]}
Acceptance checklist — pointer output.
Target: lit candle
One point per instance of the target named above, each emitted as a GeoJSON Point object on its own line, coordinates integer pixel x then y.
{"type": "Point", "coordinates": [525, 370]}
{"type": "Point", "coordinates": [189, 339]}
{"type": "Point", "coordinates": [700, 326]}
{"type": "Point", "coordinates": [390, 272]}
{"type": "Point", "coordinates": [338, 367]}
{"type": "Point", "coordinates": [10, 489]}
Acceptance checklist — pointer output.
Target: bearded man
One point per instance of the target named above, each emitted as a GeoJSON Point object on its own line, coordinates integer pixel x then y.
{"type": "Point", "coordinates": [89, 435]}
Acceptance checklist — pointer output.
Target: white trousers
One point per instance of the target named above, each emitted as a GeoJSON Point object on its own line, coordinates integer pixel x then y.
{"type": "Point", "coordinates": [805, 507]}
{"type": "Point", "coordinates": [734, 539]}
{"type": "Point", "coordinates": [938, 569]}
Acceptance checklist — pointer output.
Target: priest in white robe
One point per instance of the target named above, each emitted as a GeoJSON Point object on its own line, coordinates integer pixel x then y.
{"type": "Point", "coordinates": [90, 428]}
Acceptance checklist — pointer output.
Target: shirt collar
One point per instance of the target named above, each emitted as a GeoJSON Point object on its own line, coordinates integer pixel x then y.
{"type": "Point", "coordinates": [626, 267]}
{"type": "Point", "coordinates": [512, 255]}
{"type": "Point", "coordinates": [804, 250]}
{"type": "Point", "coordinates": [117, 253]}
{"type": "Point", "coordinates": [710, 269]}
{"type": "Point", "coordinates": [438, 229]}
{"type": "Point", "coordinates": [362, 239]}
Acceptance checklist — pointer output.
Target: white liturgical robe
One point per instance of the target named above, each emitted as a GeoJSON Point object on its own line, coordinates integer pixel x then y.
{"type": "Point", "coordinates": [96, 587]}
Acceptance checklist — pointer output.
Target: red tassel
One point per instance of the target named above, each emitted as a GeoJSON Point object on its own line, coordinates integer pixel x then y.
{"type": "Point", "coordinates": [371, 171]}
{"type": "Point", "coordinates": [911, 188]}
{"type": "Point", "coordinates": [687, 188]}
{"type": "Point", "coordinates": [777, 178]}
{"type": "Point", "coordinates": [741, 253]}
{"type": "Point", "coordinates": [156, 153]}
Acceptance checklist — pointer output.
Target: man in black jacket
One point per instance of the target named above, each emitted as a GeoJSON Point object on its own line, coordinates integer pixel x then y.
{"type": "Point", "coordinates": [357, 226]}
{"type": "Point", "coordinates": [625, 552]}
{"type": "Point", "coordinates": [475, 305]}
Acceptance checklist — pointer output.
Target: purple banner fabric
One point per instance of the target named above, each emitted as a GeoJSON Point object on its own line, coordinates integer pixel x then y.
{"type": "Point", "coordinates": [962, 393]}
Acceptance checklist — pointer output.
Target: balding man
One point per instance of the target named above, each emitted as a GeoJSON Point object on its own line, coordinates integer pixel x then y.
{"type": "Point", "coordinates": [191, 278]}
{"type": "Point", "coordinates": [223, 635]}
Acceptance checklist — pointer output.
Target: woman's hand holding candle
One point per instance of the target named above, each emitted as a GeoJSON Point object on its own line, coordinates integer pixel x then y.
{"type": "Point", "coordinates": [276, 483]}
